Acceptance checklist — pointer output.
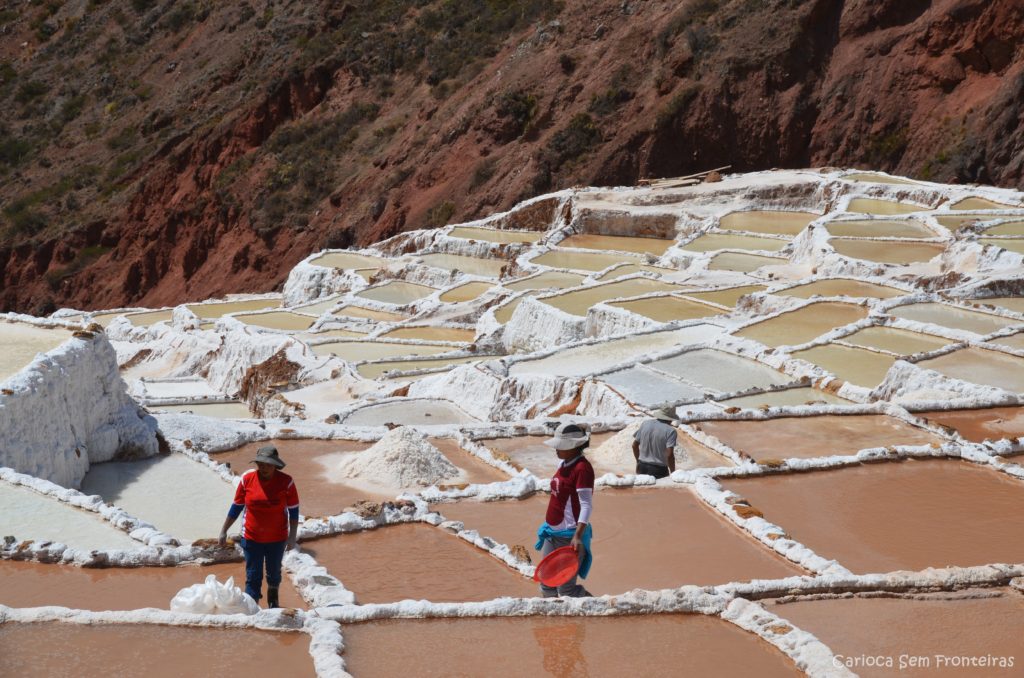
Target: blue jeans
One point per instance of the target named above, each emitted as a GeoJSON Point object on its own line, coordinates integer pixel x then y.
{"type": "Point", "coordinates": [255, 555]}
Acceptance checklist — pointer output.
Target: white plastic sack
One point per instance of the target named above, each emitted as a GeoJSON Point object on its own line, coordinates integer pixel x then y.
{"type": "Point", "coordinates": [212, 597]}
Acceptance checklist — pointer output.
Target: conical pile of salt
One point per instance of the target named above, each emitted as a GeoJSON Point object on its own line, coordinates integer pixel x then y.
{"type": "Point", "coordinates": [402, 458]}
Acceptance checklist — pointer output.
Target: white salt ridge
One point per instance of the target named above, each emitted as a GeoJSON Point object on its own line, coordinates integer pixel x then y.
{"type": "Point", "coordinates": [403, 458]}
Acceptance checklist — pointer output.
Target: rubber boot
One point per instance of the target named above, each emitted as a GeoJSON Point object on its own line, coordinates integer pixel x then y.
{"type": "Point", "coordinates": [272, 597]}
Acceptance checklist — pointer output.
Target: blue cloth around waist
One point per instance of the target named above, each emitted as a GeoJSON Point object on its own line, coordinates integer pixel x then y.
{"type": "Point", "coordinates": [545, 532]}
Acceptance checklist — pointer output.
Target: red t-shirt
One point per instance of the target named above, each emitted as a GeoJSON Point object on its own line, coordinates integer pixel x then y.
{"type": "Point", "coordinates": [565, 482]}
{"type": "Point", "coordinates": [266, 505]}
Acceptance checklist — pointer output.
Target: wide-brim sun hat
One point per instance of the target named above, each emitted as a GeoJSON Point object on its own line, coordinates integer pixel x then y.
{"type": "Point", "coordinates": [568, 436]}
{"type": "Point", "coordinates": [268, 455]}
{"type": "Point", "coordinates": [666, 414]}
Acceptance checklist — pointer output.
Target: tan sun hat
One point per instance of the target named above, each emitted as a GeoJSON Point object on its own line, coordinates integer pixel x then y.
{"type": "Point", "coordinates": [268, 455]}
{"type": "Point", "coordinates": [568, 436]}
{"type": "Point", "coordinates": [666, 414]}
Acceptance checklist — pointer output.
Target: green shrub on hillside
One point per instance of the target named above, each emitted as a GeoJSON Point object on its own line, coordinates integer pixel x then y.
{"type": "Point", "coordinates": [573, 141]}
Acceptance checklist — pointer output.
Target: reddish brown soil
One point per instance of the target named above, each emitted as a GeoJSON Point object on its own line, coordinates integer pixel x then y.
{"type": "Point", "coordinates": [159, 186]}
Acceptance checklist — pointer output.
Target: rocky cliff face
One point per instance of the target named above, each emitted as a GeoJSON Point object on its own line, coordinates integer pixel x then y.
{"type": "Point", "coordinates": [154, 152]}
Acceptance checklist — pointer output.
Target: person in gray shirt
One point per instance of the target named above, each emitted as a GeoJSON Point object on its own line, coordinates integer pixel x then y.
{"type": "Point", "coordinates": [654, 445]}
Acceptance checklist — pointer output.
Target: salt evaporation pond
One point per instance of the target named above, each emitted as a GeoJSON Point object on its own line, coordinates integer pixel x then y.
{"type": "Point", "coordinates": [156, 489]}
{"type": "Point", "coordinates": [884, 207]}
{"type": "Point", "coordinates": [29, 515]}
{"type": "Point", "coordinates": [179, 388]}
{"type": "Point", "coordinates": [720, 371]}
{"type": "Point", "coordinates": [981, 366]}
{"type": "Point", "coordinates": [894, 340]}
{"type": "Point", "coordinates": [891, 516]}
{"type": "Point", "coordinates": [503, 313]}
{"type": "Point", "coordinates": [981, 204]}
{"type": "Point", "coordinates": [804, 324]}
{"type": "Point", "coordinates": [351, 311]}
{"type": "Point", "coordinates": [561, 646]}
{"type": "Point", "coordinates": [490, 268]}
{"type": "Point", "coordinates": [979, 425]}
{"type": "Point", "coordinates": [591, 358]}
{"type": "Point", "coordinates": [819, 436]}
{"type": "Point", "coordinates": [22, 342]}
{"type": "Point", "coordinates": [1010, 244]}
{"type": "Point", "coordinates": [347, 260]}
{"type": "Point", "coordinates": [728, 296]}
{"type": "Point", "coordinates": [873, 178]}
{"type": "Point", "coordinates": [741, 263]}
{"type": "Point", "coordinates": [149, 317]}
{"type": "Point", "coordinates": [545, 280]}
{"type": "Point", "coordinates": [696, 546]}
{"type": "Point", "coordinates": [233, 410]}
{"type": "Point", "coordinates": [887, 251]}
{"type": "Point", "coordinates": [414, 412]}
{"type": "Point", "coordinates": [495, 234]}
{"type": "Point", "coordinates": [278, 320]}
{"type": "Point", "coordinates": [802, 395]}
{"type": "Point", "coordinates": [617, 243]}
{"type": "Point", "coordinates": [432, 333]}
{"type": "Point", "coordinates": [377, 369]}
{"type": "Point", "coordinates": [466, 292]}
{"type": "Point", "coordinates": [29, 584]}
{"type": "Point", "coordinates": [711, 242]}
{"type": "Point", "coordinates": [953, 317]}
{"type": "Point", "coordinates": [841, 287]}
{"type": "Point", "coordinates": [955, 221]}
{"type": "Point", "coordinates": [581, 261]}
{"type": "Point", "coordinates": [396, 292]}
{"type": "Point", "coordinates": [211, 310]}
{"type": "Point", "coordinates": [647, 388]}
{"type": "Point", "coordinates": [1014, 341]}
{"type": "Point", "coordinates": [149, 651]}
{"type": "Point", "coordinates": [766, 221]}
{"type": "Point", "coordinates": [856, 365]}
{"type": "Point", "coordinates": [416, 562]}
{"type": "Point", "coordinates": [318, 308]}
{"type": "Point", "coordinates": [623, 270]}
{"type": "Point", "coordinates": [1015, 228]}
{"type": "Point", "coordinates": [941, 628]}
{"type": "Point", "coordinates": [355, 351]}
{"type": "Point", "coordinates": [1015, 304]}
{"type": "Point", "coordinates": [880, 228]}
{"type": "Point", "coordinates": [578, 302]}
{"type": "Point", "coordinates": [668, 308]}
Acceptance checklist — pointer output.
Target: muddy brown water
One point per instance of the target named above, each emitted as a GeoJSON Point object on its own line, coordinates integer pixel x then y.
{"type": "Point", "coordinates": [466, 292]}
{"type": "Point", "coordinates": [728, 296]}
{"type": "Point", "coordinates": [836, 287]}
{"type": "Point", "coordinates": [804, 324]}
{"type": "Point", "coordinates": [578, 302]}
{"type": "Point", "coordinates": [822, 436]}
{"type": "Point", "coordinates": [531, 453]}
{"type": "Point", "coordinates": [991, 423]}
{"type": "Point", "coordinates": [149, 651]}
{"type": "Point", "coordinates": [643, 538]}
{"type": "Point", "coordinates": [116, 588]}
{"type": "Point", "coordinates": [743, 263]}
{"type": "Point", "coordinates": [712, 242]}
{"type": "Point", "coordinates": [884, 207]}
{"type": "Point", "coordinates": [766, 221]}
{"type": "Point", "coordinates": [981, 366]}
{"type": "Point", "coordinates": [417, 562]}
{"type": "Point", "coordinates": [617, 243]}
{"type": "Point", "coordinates": [1009, 244]}
{"type": "Point", "coordinates": [657, 644]}
{"type": "Point", "coordinates": [927, 626]}
{"type": "Point", "coordinates": [890, 516]}
{"type": "Point", "coordinates": [887, 251]}
{"type": "Point", "coordinates": [856, 365]}
{"type": "Point", "coordinates": [895, 340]}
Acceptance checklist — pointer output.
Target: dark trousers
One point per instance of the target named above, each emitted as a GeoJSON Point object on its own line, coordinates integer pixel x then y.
{"type": "Point", "coordinates": [256, 554]}
{"type": "Point", "coordinates": [656, 470]}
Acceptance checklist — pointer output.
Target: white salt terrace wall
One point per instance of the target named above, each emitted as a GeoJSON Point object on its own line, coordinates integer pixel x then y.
{"type": "Point", "coordinates": [68, 409]}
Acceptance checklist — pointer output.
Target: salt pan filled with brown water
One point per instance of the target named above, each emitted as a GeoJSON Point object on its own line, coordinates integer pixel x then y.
{"type": "Point", "coordinates": [149, 317]}
{"type": "Point", "coordinates": [459, 262]}
{"type": "Point", "coordinates": [278, 320]}
{"type": "Point", "coordinates": [215, 410]}
{"type": "Point", "coordinates": [355, 351]}
{"type": "Point", "coordinates": [22, 342]}
{"type": "Point", "coordinates": [896, 515]}
{"type": "Point", "coordinates": [695, 546]}
{"type": "Point", "coordinates": [155, 489]}
{"type": "Point", "coordinates": [786, 398]}
{"type": "Point", "coordinates": [728, 296]}
{"type": "Point", "coordinates": [956, 220]}
{"type": "Point", "coordinates": [396, 292]}
{"type": "Point", "coordinates": [581, 261]}
{"type": "Point", "coordinates": [900, 342]}
{"type": "Point", "coordinates": [951, 316]}
{"type": "Point", "coordinates": [721, 371]}
{"type": "Point", "coordinates": [880, 228]}
{"type": "Point", "coordinates": [349, 260]}
{"type": "Point", "coordinates": [821, 436]}
{"type": "Point", "coordinates": [1015, 304]}
{"type": "Point", "coordinates": [217, 309]}
{"type": "Point", "coordinates": [545, 280]}
{"type": "Point", "coordinates": [418, 562]}
{"type": "Point", "coordinates": [409, 412]}
{"type": "Point", "coordinates": [504, 312]}
{"type": "Point", "coordinates": [668, 308]}
{"type": "Point", "coordinates": [766, 221]}
{"type": "Point", "coordinates": [856, 365]}
{"type": "Point", "coordinates": [1015, 341]}
{"type": "Point", "coordinates": [980, 366]}
{"type": "Point", "coordinates": [989, 423]}
{"type": "Point", "coordinates": [887, 251]}
{"type": "Point", "coordinates": [578, 302]}
{"type": "Point", "coordinates": [561, 646]}
{"type": "Point", "coordinates": [431, 334]}
{"type": "Point", "coordinates": [940, 628]}
{"type": "Point", "coordinates": [466, 292]}
{"type": "Point", "coordinates": [710, 242]}
{"type": "Point", "coordinates": [376, 369]}
{"type": "Point", "coordinates": [871, 177]}
{"type": "Point", "coordinates": [884, 207]}
{"type": "Point", "coordinates": [531, 453]}
{"type": "Point", "coordinates": [804, 324]}
{"type": "Point", "coordinates": [647, 388]}
{"type": "Point", "coordinates": [742, 263]}
{"type": "Point", "coordinates": [320, 307]}
{"type": "Point", "coordinates": [617, 243]}
{"type": "Point", "coordinates": [1009, 244]}
{"type": "Point", "coordinates": [841, 287]}
{"type": "Point", "coordinates": [1008, 228]}
{"type": "Point", "coordinates": [591, 358]}
{"type": "Point", "coordinates": [114, 588]}
{"type": "Point", "coordinates": [30, 515]}
{"type": "Point", "coordinates": [149, 651]}
{"type": "Point", "coordinates": [981, 204]}
{"type": "Point", "coordinates": [495, 235]}
{"type": "Point", "coordinates": [368, 313]}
